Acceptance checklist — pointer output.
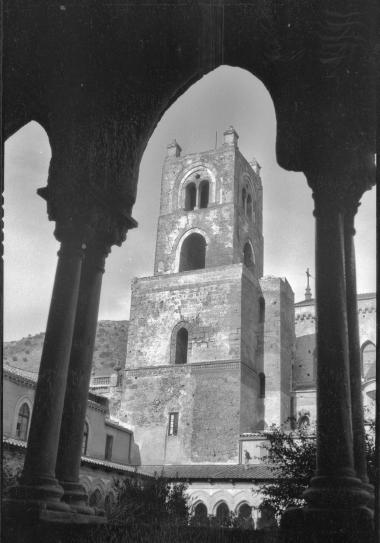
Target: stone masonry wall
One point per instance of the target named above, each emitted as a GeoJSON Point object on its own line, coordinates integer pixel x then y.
{"type": "Point", "coordinates": [208, 300]}
{"type": "Point", "coordinates": [206, 396]}
{"type": "Point", "coordinates": [278, 348]}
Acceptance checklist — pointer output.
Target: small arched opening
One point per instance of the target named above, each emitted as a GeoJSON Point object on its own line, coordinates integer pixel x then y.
{"type": "Point", "coordinates": [369, 360]}
{"type": "Point", "coordinates": [245, 519]}
{"type": "Point", "coordinates": [193, 253]}
{"type": "Point", "coordinates": [204, 191]}
{"type": "Point", "coordinates": [243, 198]}
{"type": "Point", "coordinates": [249, 206]}
{"type": "Point", "coordinates": [200, 517]}
{"type": "Point", "coordinates": [190, 196]}
{"type": "Point", "coordinates": [181, 345]}
{"type": "Point", "coordinates": [222, 514]}
{"type": "Point", "coordinates": [95, 499]}
{"type": "Point", "coordinates": [22, 425]}
{"type": "Point", "coordinates": [249, 260]}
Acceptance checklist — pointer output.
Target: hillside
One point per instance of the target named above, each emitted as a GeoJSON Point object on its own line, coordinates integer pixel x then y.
{"type": "Point", "coordinates": [110, 349]}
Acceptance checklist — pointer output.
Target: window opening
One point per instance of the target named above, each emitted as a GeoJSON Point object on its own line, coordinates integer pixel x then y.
{"type": "Point", "coordinates": [190, 196]}
{"type": "Point", "coordinates": [369, 361]}
{"type": "Point", "coordinates": [249, 206]}
{"type": "Point", "coordinates": [204, 190]}
{"type": "Point", "coordinates": [248, 255]}
{"type": "Point", "coordinates": [181, 345]}
{"type": "Point", "coordinates": [193, 253]}
{"type": "Point", "coordinates": [173, 424]}
{"type": "Point", "coordinates": [23, 422]}
{"type": "Point", "coordinates": [222, 514]}
{"type": "Point", "coordinates": [108, 449]}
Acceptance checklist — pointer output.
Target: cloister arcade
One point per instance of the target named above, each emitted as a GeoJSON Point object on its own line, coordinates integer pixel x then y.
{"type": "Point", "coordinates": [317, 62]}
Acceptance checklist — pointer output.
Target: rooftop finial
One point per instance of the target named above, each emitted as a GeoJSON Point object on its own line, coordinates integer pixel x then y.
{"type": "Point", "coordinates": [308, 289]}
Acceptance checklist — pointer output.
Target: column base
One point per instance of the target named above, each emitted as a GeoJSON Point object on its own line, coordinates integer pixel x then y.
{"type": "Point", "coordinates": [27, 513]}
{"type": "Point", "coordinates": [37, 493]}
{"type": "Point", "coordinates": [303, 525]}
{"type": "Point", "coordinates": [344, 492]}
{"type": "Point", "coordinates": [76, 497]}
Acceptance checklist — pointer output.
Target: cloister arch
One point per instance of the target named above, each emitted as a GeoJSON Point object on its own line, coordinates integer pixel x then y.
{"type": "Point", "coordinates": [317, 129]}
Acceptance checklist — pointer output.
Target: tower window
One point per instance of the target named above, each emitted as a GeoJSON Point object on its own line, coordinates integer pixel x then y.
{"type": "Point", "coordinates": [249, 206]}
{"type": "Point", "coordinates": [248, 255]}
{"type": "Point", "coordinates": [173, 424]}
{"type": "Point", "coordinates": [108, 450]}
{"type": "Point", "coordinates": [85, 439]}
{"type": "Point", "coordinates": [204, 189]}
{"type": "Point", "coordinates": [190, 196]}
{"type": "Point", "coordinates": [193, 253]}
{"type": "Point", "coordinates": [23, 422]}
{"type": "Point", "coordinates": [262, 385]}
{"type": "Point", "coordinates": [243, 198]}
{"type": "Point", "coordinates": [182, 341]}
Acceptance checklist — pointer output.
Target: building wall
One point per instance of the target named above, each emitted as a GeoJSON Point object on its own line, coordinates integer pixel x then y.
{"type": "Point", "coordinates": [17, 390]}
{"type": "Point", "coordinates": [278, 348]}
{"type": "Point", "coordinates": [305, 364]}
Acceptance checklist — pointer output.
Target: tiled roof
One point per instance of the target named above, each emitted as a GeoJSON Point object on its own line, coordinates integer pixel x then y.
{"type": "Point", "coordinates": [11, 370]}
{"type": "Point", "coordinates": [211, 471]}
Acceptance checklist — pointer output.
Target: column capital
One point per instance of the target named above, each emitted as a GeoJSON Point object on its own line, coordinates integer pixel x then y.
{"type": "Point", "coordinates": [92, 217]}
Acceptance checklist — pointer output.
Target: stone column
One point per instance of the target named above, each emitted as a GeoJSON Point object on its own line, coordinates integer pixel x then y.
{"type": "Point", "coordinates": [336, 499]}
{"type": "Point", "coordinates": [78, 380]}
{"type": "Point", "coordinates": [359, 448]}
{"type": "Point", "coordinates": [38, 486]}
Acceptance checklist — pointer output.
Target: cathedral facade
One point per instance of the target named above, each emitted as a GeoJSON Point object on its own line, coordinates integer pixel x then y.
{"type": "Point", "coordinates": [211, 341]}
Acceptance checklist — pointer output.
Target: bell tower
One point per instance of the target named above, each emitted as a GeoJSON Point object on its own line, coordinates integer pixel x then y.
{"type": "Point", "coordinates": [194, 374]}
{"type": "Point", "coordinates": [211, 210]}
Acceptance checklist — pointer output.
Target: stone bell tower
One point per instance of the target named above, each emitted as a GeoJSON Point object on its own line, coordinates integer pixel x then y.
{"type": "Point", "coordinates": [194, 375]}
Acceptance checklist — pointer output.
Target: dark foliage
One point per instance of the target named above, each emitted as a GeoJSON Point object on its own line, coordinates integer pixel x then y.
{"type": "Point", "coordinates": [292, 459]}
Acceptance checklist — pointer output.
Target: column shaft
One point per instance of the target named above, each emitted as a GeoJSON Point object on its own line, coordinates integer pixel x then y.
{"type": "Point", "coordinates": [359, 447]}
{"type": "Point", "coordinates": [334, 429]}
{"type": "Point", "coordinates": [78, 379]}
{"type": "Point", "coordinates": [38, 477]}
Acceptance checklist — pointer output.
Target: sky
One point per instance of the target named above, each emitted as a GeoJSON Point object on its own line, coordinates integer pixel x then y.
{"type": "Point", "coordinates": [227, 96]}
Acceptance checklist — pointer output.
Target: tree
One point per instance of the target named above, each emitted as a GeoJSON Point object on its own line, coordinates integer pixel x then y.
{"type": "Point", "coordinates": [292, 459]}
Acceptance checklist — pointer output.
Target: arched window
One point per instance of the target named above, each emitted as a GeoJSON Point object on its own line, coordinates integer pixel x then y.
{"type": "Point", "coordinates": [204, 190]}
{"type": "Point", "coordinates": [190, 196]}
{"type": "Point", "coordinates": [262, 385]}
{"type": "Point", "coordinates": [200, 517]}
{"type": "Point", "coordinates": [249, 206]}
{"type": "Point", "coordinates": [109, 503]}
{"type": "Point", "coordinates": [222, 514]}
{"type": "Point", "coordinates": [193, 253]}
{"type": "Point", "coordinates": [181, 344]}
{"type": "Point", "coordinates": [369, 360]}
{"type": "Point", "coordinates": [95, 498]}
{"type": "Point", "coordinates": [243, 198]}
{"type": "Point", "coordinates": [23, 422]}
{"type": "Point", "coordinates": [85, 439]}
{"type": "Point", "coordinates": [245, 511]}
{"type": "Point", "coordinates": [248, 255]}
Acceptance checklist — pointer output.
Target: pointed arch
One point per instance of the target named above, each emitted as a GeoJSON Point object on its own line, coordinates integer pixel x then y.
{"type": "Point", "coordinates": [193, 253]}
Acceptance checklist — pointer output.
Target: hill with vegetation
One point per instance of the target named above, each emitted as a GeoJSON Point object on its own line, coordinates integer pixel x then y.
{"type": "Point", "coordinates": [109, 352]}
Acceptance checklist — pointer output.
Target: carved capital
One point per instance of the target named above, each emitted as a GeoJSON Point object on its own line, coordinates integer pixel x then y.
{"type": "Point", "coordinates": [86, 215]}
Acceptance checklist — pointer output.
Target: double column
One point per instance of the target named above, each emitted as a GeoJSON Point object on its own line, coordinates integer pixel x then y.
{"type": "Point", "coordinates": [49, 485]}
{"type": "Point", "coordinates": [339, 496]}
